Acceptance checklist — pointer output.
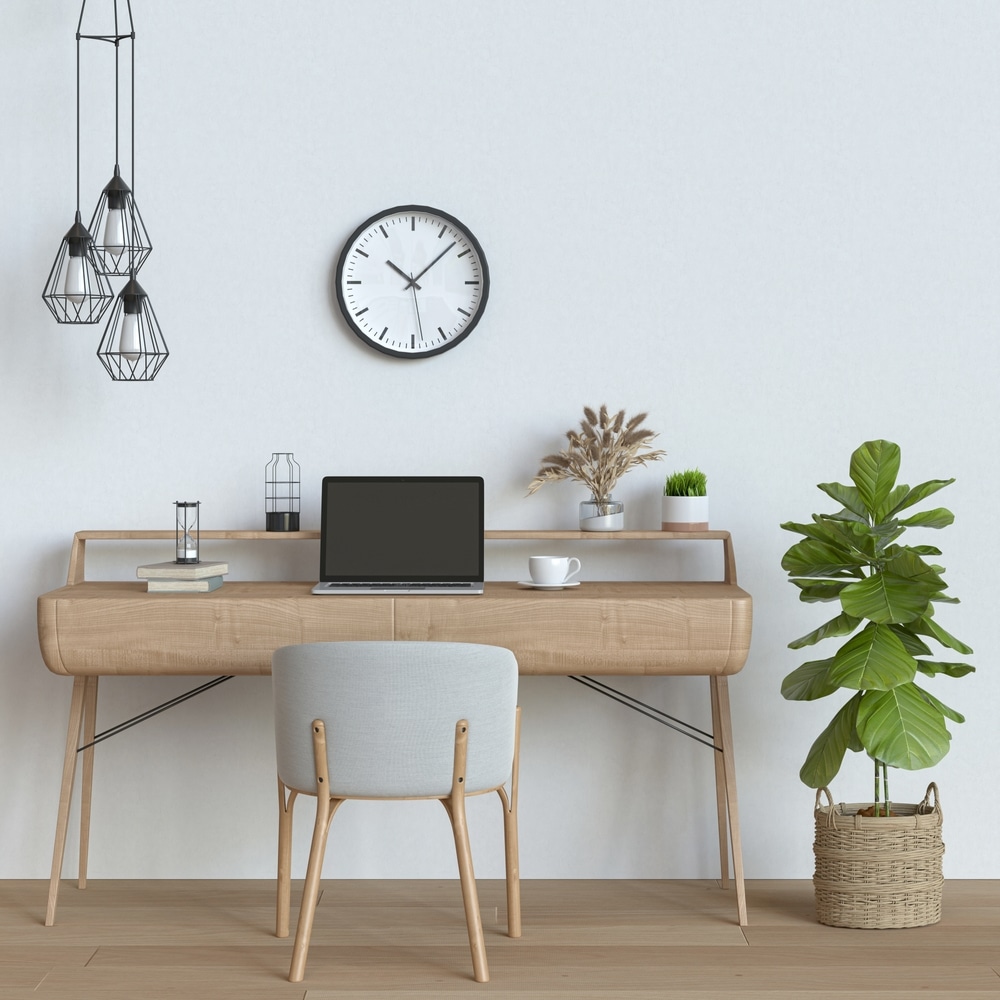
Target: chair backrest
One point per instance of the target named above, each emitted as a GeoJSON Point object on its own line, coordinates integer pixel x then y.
{"type": "Point", "coordinates": [390, 710]}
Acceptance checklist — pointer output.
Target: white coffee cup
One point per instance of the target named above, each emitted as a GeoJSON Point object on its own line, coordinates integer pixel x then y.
{"type": "Point", "coordinates": [550, 571]}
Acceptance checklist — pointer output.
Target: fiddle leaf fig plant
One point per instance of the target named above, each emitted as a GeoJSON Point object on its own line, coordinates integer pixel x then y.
{"type": "Point", "coordinates": [887, 592]}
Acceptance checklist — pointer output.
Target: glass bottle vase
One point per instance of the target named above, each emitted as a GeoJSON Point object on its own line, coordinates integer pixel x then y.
{"type": "Point", "coordinates": [602, 514]}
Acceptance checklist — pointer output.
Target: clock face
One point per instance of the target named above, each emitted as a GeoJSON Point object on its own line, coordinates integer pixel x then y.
{"type": "Point", "coordinates": [412, 281]}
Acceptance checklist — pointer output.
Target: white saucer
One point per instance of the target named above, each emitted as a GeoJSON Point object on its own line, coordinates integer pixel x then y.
{"type": "Point", "coordinates": [548, 586]}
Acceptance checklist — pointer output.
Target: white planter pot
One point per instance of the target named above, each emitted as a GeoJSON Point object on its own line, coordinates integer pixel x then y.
{"type": "Point", "coordinates": [685, 514]}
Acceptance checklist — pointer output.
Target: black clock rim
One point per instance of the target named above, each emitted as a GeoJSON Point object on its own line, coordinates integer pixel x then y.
{"type": "Point", "coordinates": [356, 330]}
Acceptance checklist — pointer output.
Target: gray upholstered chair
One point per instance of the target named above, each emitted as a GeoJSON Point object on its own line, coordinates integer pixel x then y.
{"type": "Point", "coordinates": [395, 720]}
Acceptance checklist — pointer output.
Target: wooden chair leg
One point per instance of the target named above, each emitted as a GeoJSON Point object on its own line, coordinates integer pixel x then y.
{"type": "Point", "coordinates": [87, 778]}
{"type": "Point", "coordinates": [513, 870]}
{"type": "Point", "coordinates": [80, 685]}
{"type": "Point", "coordinates": [286, 803]}
{"type": "Point", "coordinates": [325, 809]}
{"type": "Point", "coordinates": [455, 806]}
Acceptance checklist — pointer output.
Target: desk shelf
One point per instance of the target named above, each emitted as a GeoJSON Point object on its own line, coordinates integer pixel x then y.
{"type": "Point", "coordinates": [77, 558]}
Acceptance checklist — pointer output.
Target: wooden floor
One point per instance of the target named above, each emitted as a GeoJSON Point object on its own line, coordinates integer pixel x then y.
{"type": "Point", "coordinates": [201, 940]}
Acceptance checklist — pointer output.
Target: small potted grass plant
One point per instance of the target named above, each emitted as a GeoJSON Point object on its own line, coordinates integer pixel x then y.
{"type": "Point", "coordinates": [685, 501]}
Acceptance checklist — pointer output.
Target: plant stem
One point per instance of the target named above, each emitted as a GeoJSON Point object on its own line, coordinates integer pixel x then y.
{"type": "Point", "coordinates": [885, 785]}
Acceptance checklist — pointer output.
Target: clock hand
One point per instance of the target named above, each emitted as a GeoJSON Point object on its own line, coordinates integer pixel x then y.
{"type": "Point", "coordinates": [431, 264]}
{"type": "Point", "coordinates": [416, 306]}
{"type": "Point", "coordinates": [403, 274]}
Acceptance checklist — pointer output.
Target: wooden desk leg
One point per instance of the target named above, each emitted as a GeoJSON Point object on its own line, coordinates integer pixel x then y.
{"type": "Point", "coordinates": [80, 688]}
{"type": "Point", "coordinates": [724, 733]}
{"type": "Point", "coordinates": [87, 783]}
{"type": "Point", "coordinates": [720, 787]}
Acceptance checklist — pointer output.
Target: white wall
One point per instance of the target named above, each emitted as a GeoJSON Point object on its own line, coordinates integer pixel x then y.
{"type": "Point", "coordinates": [772, 225]}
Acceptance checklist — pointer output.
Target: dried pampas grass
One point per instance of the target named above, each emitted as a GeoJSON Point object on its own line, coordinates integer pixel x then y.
{"type": "Point", "coordinates": [604, 448]}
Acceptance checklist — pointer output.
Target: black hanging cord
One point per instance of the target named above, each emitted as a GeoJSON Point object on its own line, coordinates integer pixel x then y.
{"type": "Point", "coordinates": [678, 725]}
{"type": "Point", "coordinates": [78, 36]}
{"type": "Point", "coordinates": [131, 25]}
{"type": "Point", "coordinates": [117, 39]}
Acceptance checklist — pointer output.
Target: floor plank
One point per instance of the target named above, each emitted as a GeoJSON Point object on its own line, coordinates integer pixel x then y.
{"type": "Point", "coordinates": [214, 940]}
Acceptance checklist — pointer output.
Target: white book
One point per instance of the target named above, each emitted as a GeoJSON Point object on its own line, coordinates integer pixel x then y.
{"type": "Point", "coordinates": [184, 586]}
{"type": "Point", "coordinates": [181, 571]}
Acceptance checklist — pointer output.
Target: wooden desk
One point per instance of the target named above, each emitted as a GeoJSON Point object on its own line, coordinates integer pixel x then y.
{"type": "Point", "coordinates": [92, 629]}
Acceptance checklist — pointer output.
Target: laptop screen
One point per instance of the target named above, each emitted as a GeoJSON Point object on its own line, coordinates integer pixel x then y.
{"type": "Point", "coordinates": [402, 528]}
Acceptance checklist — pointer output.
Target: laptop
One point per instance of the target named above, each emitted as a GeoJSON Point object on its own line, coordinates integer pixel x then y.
{"type": "Point", "coordinates": [401, 535]}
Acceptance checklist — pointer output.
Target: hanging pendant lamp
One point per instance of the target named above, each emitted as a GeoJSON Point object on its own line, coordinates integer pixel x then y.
{"type": "Point", "coordinates": [76, 290]}
{"type": "Point", "coordinates": [121, 243]}
{"type": "Point", "coordinates": [132, 348]}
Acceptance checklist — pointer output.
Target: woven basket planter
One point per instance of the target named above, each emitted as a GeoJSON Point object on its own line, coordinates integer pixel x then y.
{"type": "Point", "coordinates": [878, 871]}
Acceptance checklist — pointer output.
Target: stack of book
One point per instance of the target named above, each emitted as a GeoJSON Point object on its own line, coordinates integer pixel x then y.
{"type": "Point", "coordinates": [172, 577]}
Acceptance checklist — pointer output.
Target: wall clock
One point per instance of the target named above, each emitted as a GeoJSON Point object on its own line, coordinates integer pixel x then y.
{"type": "Point", "coordinates": [412, 281]}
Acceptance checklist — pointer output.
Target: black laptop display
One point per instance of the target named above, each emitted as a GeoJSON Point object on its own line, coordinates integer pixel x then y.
{"type": "Point", "coordinates": [401, 534]}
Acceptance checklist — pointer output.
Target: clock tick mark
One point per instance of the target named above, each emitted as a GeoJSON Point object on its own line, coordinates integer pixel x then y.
{"type": "Point", "coordinates": [362, 311]}
{"type": "Point", "coordinates": [463, 312]}
{"type": "Point", "coordinates": [383, 232]}
{"type": "Point", "coordinates": [363, 254]}
{"type": "Point", "coordinates": [464, 252]}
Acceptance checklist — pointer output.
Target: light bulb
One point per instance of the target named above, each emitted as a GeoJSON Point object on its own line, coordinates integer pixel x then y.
{"type": "Point", "coordinates": [130, 341]}
{"type": "Point", "coordinates": [75, 288]}
{"type": "Point", "coordinates": [114, 232]}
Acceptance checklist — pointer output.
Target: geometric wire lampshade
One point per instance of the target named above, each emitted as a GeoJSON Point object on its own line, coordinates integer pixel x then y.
{"type": "Point", "coordinates": [132, 348]}
{"type": "Point", "coordinates": [121, 244]}
{"type": "Point", "coordinates": [76, 291]}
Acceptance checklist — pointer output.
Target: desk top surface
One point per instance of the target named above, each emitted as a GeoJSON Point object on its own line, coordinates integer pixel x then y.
{"type": "Point", "coordinates": [605, 628]}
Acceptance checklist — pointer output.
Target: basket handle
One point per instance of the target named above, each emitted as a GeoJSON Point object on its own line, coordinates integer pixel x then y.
{"type": "Point", "coordinates": [925, 806]}
{"type": "Point", "coordinates": [831, 816]}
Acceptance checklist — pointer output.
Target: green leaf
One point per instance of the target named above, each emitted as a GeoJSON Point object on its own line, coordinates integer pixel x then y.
{"type": "Point", "coordinates": [925, 550]}
{"type": "Point", "coordinates": [875, 659]}
{"type": "Point", "coordinates": [944, 599]}
{"type": "Point", "coordinates": [849, 535]}
{"type": "Point", "coordinates": [811, 557]}
{"type": "Point", "coordinates": [919, 493]}
{"type": "Point", "coordinates": [925, 625]}
{"type": "Point", "coordinates": [949, 713]}
{"type": "Point", "coordinates": [827, 753]}
{"type": "Point", "coordinates": [808, 682]}
{"type": "Point", "coordinates": [886, 597]}
{"type": "Point", "coordinates": [809, 530]}
{"type": "Point", "coordinates": [848, 496]}
{"type": "Point", "coordinates": [901, 728]}
{"type": "Point", "coordinates": [813, 592]}
{"type": "Point", "coordinates": [914, 645]}
{"type": "Point", "coordinates": [932, 667]}
{"type": "Point", "coordinates": [843, 624]}
{"type": "Point", "coordinates": [874, 467]}
{"type": "Point", "coordinates": [897, 495]}
{"type": "Point", "coordinates": [939, 517]}
{"type": "Point", "coordinates": [907, 564]}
